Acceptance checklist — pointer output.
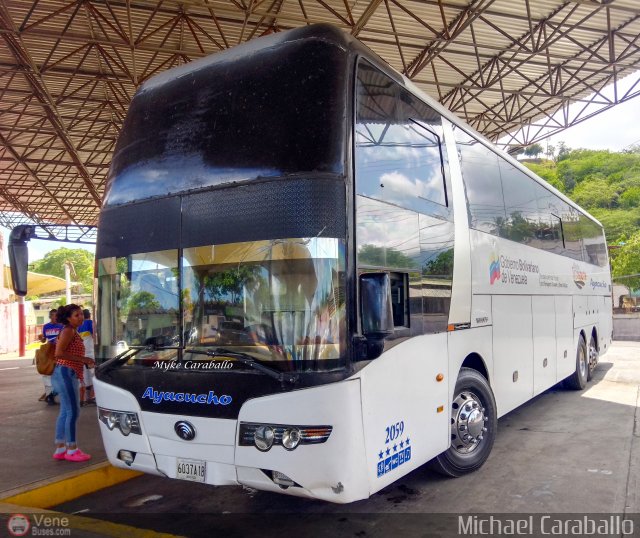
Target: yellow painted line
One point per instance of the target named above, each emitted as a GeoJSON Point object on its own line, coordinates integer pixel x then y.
{"type": "Point", "coordinates": [94, 526]}
{"type": "Point", "coordinates": [60, 490]}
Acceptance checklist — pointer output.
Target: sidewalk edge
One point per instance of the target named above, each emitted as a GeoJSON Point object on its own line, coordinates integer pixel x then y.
{"type": "Point", "coordinates": [59, 490]}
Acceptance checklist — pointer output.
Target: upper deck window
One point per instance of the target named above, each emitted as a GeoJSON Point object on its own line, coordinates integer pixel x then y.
{"type": "Point", "coordinates": [399, 145]}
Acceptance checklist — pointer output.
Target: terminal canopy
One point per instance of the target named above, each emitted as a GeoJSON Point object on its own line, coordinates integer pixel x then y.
{"type": "Point", "coordinates": [68, 70]}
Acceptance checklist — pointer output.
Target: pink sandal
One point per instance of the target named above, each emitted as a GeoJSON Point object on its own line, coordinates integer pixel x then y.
{"type": "Point", "coordinates": [78, 455]}
{"type": "Point", "coordinates": [59, 456]}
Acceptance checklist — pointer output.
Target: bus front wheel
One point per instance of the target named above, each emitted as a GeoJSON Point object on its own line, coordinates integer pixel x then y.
{"type": "Point", "coordinates": [473, 426]}
{"type": "Point", "coordinates": [578, 380]}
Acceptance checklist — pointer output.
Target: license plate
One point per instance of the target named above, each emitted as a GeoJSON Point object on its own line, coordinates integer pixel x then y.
{"type": "Point", "coordinates": [194, 470]}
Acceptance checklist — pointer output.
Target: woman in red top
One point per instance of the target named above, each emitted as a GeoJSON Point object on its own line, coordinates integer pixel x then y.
{"type": "Point", "coordinates": [68, 373]}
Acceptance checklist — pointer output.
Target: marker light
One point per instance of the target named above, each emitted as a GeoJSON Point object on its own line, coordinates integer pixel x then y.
{"type": "Point", "coordinates": [263, 438]}
{"type": "Point", "coordinates": [291, 438]}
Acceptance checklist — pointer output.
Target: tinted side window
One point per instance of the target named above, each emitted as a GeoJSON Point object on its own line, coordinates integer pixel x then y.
{"type": "Point", "coordinates": [571, 230]}
{"type": "Point", "coordinates": [398, 155]}
{"type": "Point", "coordinates": [436, 259]}
{"type": "Point", "coordinates": [595, 247]}
{"type": "Point", "coordinates": [481, 176]}
{"type": "Point", "coordinates": [549, 232]}
{"type": "Point", "coordinates": [520, 203]}
{"type": "Point", "coordinates": [388, 238]}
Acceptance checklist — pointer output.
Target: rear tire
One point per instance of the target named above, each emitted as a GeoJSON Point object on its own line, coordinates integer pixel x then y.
{"type": "Point", "coordinates": [474, 426]}
{"type": "Point", "coordinates": [593, 356]}
{"type": "Point", "coordinates": [578, 380]}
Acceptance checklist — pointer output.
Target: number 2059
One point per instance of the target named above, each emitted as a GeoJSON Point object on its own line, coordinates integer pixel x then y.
{"type": "Point", "coordinates": [394, 431]}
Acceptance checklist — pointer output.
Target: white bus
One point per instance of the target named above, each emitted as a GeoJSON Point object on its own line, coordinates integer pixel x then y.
{"type": "Point", "coordinates": [313, 279]}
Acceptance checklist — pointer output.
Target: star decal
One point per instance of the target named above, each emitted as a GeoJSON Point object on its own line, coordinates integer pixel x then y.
{"type": "Point", "coordinates": [395, 448]}
{"type": "Point", "coordinates": [401, 444]}
{"type": "Point", "coordinates": [408, 440]}
{"type": "Point", "coordinates": [388, 451]}
{"type": "Point", "coordinates": [380, 455]}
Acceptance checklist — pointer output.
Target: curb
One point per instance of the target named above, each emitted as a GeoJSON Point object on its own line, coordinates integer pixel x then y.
{"type": "Point", "coordinates": [88, 526]}
{"type": "Point", "coordinates": [65, 488]}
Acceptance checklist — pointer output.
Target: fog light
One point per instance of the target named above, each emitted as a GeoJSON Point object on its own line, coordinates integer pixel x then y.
{"type": "Point", "coordinates": [263, 438]}
{"type": "Point", "coordinates": [282, 479]}
{"type": "Point", "coordinates": [291, 438]}
{"type": "Point", "coordinates": [125, 423]}
{"type": "Point", "coordinates": [127, 456]}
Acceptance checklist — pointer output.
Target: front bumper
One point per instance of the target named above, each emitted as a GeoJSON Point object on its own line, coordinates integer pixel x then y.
{"type": "Point", "coordinates": [333, 471]}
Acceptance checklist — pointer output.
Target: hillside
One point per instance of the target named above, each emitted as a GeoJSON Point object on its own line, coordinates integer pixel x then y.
{"type": "Point", "coordinates": [607, 184]}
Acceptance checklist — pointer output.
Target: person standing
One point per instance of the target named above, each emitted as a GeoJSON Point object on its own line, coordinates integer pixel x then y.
{"type": "Point", "coordinates": [50, 333]}
{"type": "Point", "coordinates": [68, 373]}
{"type": "Point", "coordinates": [85, 330]}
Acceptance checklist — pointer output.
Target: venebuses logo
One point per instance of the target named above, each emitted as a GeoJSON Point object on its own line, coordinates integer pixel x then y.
{"type": "Point", "coordinates": [494, 268]}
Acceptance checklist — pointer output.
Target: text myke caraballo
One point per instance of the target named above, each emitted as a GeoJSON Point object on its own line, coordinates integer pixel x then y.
{"type": "Point", "coordinates": [192, 365]}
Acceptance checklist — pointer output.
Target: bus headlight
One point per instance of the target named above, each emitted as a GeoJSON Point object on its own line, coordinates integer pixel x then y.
{"type": "Point", "coordinates": [264, 436]}
{"type": "Point", "coordinates": [126, 421]}
{"type": "Point", "coordinates": [290, 438]}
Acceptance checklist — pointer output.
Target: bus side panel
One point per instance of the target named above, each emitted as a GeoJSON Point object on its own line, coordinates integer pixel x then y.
{"type": "Point", "coordinates": [544, 343]}
{"type": "Point", "coordinates": [512, 351]}
{"type": "Point", "coordinates": [406, 411]}
{"type": "Point", "coordinates": [580, 309]}
{"type": "Point", "coordinates": [564, 337]}
{"type": "Point", "coordinates": [463, 343]}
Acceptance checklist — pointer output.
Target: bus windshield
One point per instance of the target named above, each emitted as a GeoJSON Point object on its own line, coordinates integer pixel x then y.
{"type": "Point", "coordinates": [276, 301]}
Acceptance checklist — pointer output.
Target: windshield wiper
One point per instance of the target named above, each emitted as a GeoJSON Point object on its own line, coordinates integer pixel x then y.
{"type": "Point", "coordinates": [247, 359]}
{"type": "Point", "coordinates": [120, 357]}
{"type": "Point", "coordinates": [123, 357]}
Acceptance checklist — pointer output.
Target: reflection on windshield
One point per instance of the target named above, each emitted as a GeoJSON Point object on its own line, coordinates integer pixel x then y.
{"type": "Point", "coordinates": [281, 301]}
{"type": "Point", "coordinates": [278, 301]}
{"type": "Point", "coordinates": [138, 301]}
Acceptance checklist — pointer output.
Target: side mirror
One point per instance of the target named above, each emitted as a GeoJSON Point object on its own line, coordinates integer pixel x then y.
{"type": "Point", "coordinates": [19, 258]}
{"type": "Point", "coordinates": [375, 306]}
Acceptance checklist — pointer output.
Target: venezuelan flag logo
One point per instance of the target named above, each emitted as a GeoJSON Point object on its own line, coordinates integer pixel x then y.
{"type": "Point", "coordinates": [494, 269]}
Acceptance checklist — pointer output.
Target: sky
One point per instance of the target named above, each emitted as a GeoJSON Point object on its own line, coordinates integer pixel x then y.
{"type": "Point", "coordinates": [614, 129]}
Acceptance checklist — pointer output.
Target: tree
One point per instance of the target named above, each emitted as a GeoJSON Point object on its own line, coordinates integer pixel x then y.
{"type": "Point", "coordinates": [551, 151]}
{"type": "Point", "coordinates": [595, 192]}
{"type": "Point", "coordinates": [143, 300]}
{"type": "Point", "coordinates": [563, 151]}
{"type": "Point", "coordinates": [53, 264]}
{"type": "Point", "coordinates": [533, 150]}
{"type": "Point", "coordinates": [627, 261]}
{"type": "Point", "coordinates": [384, 257]}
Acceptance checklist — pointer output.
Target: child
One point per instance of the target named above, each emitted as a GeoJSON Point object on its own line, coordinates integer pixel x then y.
{"type": "Point", "coordinates": [85, 330]}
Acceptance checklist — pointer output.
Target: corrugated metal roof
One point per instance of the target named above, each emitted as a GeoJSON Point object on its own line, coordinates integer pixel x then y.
{"type": "Point", "coordinates": [68, 70]}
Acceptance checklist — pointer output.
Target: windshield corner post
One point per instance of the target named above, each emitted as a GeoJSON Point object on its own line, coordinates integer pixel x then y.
{"type": "Point", "coordinates": [181, 329]}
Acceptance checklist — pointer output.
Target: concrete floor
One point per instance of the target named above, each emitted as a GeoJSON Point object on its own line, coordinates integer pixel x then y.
{"type": "Point", "coordinates": [28, 428]}
{"type": "Point", "coordinates": [563, 452]}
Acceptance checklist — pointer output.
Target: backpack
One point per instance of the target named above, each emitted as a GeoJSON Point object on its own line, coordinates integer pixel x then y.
{"type": "Point", "coordinates": [45, 358]}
